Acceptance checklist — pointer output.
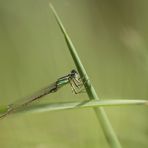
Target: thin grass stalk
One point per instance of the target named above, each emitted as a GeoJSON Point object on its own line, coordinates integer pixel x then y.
{"type": "Point", "coordinates": [101, 115]}
{"type": "Point", "coordinates": [76, 105]}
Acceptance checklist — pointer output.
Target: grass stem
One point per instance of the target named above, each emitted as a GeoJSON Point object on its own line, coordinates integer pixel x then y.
{"type": "Point", "coordinates": [101, 115]}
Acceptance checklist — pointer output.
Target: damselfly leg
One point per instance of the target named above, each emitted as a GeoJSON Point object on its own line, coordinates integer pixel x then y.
{"type": "Point", "coordinates": [76, 82]}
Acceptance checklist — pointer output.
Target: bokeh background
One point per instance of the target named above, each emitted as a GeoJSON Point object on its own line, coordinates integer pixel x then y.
{"type": "Point", "coordinates": [111, 39]}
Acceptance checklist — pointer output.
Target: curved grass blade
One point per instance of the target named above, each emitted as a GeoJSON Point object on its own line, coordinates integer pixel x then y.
{"type": "Point", "coordinates": [101, 115]}
{"type": "Point", "coordinates": [77, 105]}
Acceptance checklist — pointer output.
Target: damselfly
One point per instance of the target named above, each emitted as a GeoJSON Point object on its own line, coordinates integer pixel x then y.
{"type": "Point", "coordinates": [72, 78]}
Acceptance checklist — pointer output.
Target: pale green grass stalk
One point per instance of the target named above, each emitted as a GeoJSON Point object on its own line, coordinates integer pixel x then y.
{"type": "Point", "coordinates": [76, 105]}
{"type": "Point", "coordinates": [101, 115]}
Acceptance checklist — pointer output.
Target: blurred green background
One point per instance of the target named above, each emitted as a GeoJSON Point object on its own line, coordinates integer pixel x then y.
{"type": "Point", "coordinates": [111, 39]}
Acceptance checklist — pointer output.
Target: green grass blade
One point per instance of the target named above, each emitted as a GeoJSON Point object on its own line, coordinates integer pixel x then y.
{"type": "Point", "coordinates": [101, 115]}
{"type": "Point", "coordinates": [76, 105]}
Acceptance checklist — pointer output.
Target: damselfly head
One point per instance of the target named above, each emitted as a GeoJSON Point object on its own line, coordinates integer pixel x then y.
{"type": "Point", "coordinates": [74, 73]}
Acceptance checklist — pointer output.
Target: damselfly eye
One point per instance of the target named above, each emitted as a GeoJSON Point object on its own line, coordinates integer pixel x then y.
{"type": "Point", "coordinates": [74, 73]}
